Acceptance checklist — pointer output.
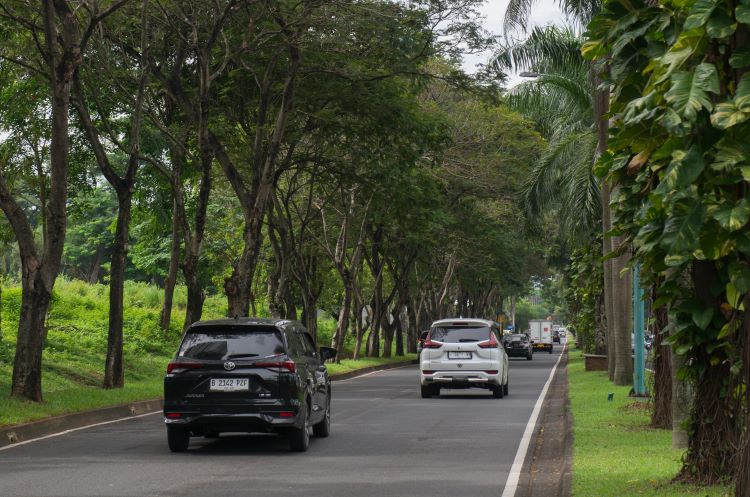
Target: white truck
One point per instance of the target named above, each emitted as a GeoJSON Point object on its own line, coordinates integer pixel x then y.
{"type": "Point", "coordinates": [540, 333]}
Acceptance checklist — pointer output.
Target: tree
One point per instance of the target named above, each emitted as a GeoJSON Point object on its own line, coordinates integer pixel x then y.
{"type": "Point", "coordinates": [61, 40]}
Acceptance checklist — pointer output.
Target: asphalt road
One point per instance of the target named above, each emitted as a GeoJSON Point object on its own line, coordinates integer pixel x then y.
{"type": "Point", "coordinates": [385, 441]}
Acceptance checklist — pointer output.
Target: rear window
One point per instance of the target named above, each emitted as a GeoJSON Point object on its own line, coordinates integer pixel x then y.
{"type": "Point", "coordinates": [226, 343]}
{"type": "Point", "coordinates": [458, 334]}
{"type": "Point", "coordinates": [519, 338]}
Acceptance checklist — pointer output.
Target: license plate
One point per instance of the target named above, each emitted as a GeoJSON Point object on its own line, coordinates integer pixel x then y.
{"type": "Point", "coordinates": [230, 384]}
{"type": "Point", "coordinates": [459, 355]}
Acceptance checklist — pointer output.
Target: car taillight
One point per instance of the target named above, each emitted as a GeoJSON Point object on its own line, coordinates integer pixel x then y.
{"type": "Point", "coordinates": [286, 414]}
{"type": "Point", "coordinates": [428, 371]}
{"type": "Point", "coordinates": [181, 367]}
{"type": "Point", "coordinates": [288, 365]}
{"type": "Point", "coordinates": [429, 344]}
{"type": "Point", "coordinates": [491, 371]}
{"type": "Point", "coordinates": [173, 415]}
{"type": "Point", "coordinates": [489, 344]}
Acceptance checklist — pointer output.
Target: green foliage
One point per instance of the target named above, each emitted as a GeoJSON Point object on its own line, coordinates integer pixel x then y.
{"type": "Point", "coordinates": [583, 293]}
{"type": "Point", "coordinates": [679, 158]}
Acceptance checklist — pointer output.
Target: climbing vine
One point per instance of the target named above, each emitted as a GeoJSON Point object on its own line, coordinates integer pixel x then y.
{"type": "Point", "coordinates": [679, 157]}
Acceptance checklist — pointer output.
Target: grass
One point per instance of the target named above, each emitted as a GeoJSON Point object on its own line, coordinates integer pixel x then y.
{"type": "Point", "coordinates": [615, 452]}
{"type": "Point", "coordinates": [73, 356]}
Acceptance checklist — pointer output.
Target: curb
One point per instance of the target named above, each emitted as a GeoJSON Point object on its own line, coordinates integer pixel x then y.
{"type": "Point", "coordinates": [15, 434]}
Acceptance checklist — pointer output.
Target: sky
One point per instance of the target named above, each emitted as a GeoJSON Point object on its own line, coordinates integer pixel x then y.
{"type": "Point", "coordinates": [544, 12]}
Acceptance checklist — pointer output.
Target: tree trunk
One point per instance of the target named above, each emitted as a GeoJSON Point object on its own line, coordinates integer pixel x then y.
{"type": "Point", "coordinates": [661, 414]}
{"type": "Point", "coordinates": [682, 397]}
{"type": "Point", "coordinates": [342, 325]}
{"type": "Point", "coordinates": [114, 372]}
{"type": "Point", "coordinates": [388, 330]}
{"type": "Point", "coordinates": [195, 295]}
{"type": "Point", "coordinates": [27, 366]}
{"type": "Point", "coordinates": [93, 273]}
{"type": "Point", "coordinates": [174, 266]}
{"type": "Point", "coordinates": [399, 333]}
{"type": "Point", "coordinates": [742, 488]}
{"type": "Point", "coordinates": [622, 311]}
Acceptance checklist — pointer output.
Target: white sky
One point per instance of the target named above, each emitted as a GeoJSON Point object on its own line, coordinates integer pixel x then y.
{"type": "Point", "coordinates": [542, 13]}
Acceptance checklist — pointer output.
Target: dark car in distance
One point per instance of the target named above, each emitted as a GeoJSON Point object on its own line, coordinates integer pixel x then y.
{"type": "Point", "coordinates": [247, 375]}
{"type": "Point", "coordinates": [518, 345]}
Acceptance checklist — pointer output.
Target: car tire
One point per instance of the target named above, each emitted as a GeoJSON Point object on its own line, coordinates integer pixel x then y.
{"type": "Point", "coordinates": [428, 391]}
{"type": "Point", "coordinates": [323, 428]}
{"type": "Point", "coordinates": [550, 350]}
{"type": "Point", "coordinates": [529, 357]}
{"type": "Point", "coordinates": [178, 439]}
{"type": "Point", "coordinates": [505, 387]}
{"type": "Point", "coordinates": [498, 391]}
{"type": "Point", "coordinates": [299, 438]}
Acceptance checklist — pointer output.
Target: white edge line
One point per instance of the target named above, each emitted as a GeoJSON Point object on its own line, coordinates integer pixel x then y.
{"type": "Point", "coordinates": [53, 435]}
{"type": "Point", "coordinates": [511, 483]}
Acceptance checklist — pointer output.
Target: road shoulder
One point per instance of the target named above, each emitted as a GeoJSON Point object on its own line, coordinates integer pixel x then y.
{"type": "Point", "coordinates": [547, 470]}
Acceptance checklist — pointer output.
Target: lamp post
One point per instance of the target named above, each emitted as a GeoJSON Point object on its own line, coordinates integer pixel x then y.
{"type": "Point", "coordinates": [639, 369]}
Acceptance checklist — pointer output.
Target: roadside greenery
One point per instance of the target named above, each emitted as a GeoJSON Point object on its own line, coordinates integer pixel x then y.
{"type": "Point", "coordinates": [616, 453]}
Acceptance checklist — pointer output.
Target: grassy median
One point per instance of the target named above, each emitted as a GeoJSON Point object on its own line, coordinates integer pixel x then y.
{"type": "Point", "coordinates": [615, 452]}
{"type": "Point", "coordinates": [73, 357]}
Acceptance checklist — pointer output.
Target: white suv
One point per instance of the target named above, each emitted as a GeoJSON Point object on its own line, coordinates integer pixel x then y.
{"type": "Point", "coordinates": [463, 353]}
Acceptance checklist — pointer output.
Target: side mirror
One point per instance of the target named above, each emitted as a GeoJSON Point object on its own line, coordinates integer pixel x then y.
{"type": "Point", "coordinates": [327, 353]}
{"type": "Point", "coordinates": [423, 336]}
{"type": "Point", "coordinates": [532, 341]}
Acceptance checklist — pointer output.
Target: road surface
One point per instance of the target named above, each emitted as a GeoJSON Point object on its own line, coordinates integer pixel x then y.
{"type": "Point", "coordinates": [385, 441]}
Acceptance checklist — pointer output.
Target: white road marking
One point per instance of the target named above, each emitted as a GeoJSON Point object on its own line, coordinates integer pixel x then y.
{"type": "Point", "coordinates": [371, 373]}
{"type": "Point", "coordinates": [18, 444]}
{"type": "Point", "coordinates": [511, 484]}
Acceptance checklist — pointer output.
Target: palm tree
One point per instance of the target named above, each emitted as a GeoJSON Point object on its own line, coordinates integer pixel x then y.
{"type": "Point", "coordinates": [548, 53]}
{"type": "Point", "coordinates": [560, 102]}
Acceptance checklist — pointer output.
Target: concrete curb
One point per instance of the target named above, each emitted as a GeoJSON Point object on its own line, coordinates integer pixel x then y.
{"type": "Point", "coordinates": [36, 429]}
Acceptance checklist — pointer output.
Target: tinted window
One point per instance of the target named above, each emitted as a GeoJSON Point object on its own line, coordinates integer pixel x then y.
{"type": "Point", "coordinates": [294, 341]}
{"type": "Point", "coordinates": [519, 338]}
{"type": "Point", "coordinates": [231, 343]}
{"type": "Point", "coordinates": [308, 344]}
{"type": "Point", "coordinates": [457, 334]}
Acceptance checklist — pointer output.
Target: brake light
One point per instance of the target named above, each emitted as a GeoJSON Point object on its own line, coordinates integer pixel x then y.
{"type": "Point", "coordinates": [427, 371]}
{"type": "Point", "coordinates": [286, 414]}
{"type": "Point", "coordinates": [288, 365]}
{"type": "Point", "coordinates": [181, 367]}
{"type": "Point", "coordinates": [491, 371]}
{"type": "Point", "coordinates": [173, 415]}
{"type": "Point", "coordinates": [429, 344]}
{"type": "Point", "coordinates": [489, 344]}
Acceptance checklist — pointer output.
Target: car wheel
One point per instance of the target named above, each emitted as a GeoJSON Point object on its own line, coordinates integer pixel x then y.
{"type": "Point", "coordinates": [498, 391]}
{"type": "Point", "coordinates": [428, 391]}
{"type": "Point", "coordinates": [178, 439]}
{"type": "Point", "coordinates": [529, 357]}
{"type": "Point", "coordinates": [505, 387]}
{"type": "Point", "coordinates": [323, 428]}
{"type": "Point", "coordinates": [299, 438]}
{"type": "Point", "coordinates": [550, 350]}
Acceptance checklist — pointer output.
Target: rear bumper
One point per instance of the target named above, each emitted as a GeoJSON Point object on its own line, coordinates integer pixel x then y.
{"type": "Point", "coordinates": [201, 421]}
{"type": "Point", "coordinates": [460, 379]}
{"type": "Point", "coordinates": [518, 352]}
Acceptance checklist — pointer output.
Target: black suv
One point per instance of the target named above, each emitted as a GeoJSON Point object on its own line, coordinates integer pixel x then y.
{"type": "Point", "coordinates": [517, 345]}
{"type": "Point", "coordinates": [247, 375]}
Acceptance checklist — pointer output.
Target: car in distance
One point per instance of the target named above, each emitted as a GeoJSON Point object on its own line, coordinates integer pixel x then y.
{"type": "Point", "coordinates": [247, 375]}
{"type": "Point", "coordinates": [518, 345]}
{"type": "Point", "coordinates": [463, 353]}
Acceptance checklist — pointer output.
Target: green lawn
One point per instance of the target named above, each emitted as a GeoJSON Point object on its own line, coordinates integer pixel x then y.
{"type": "Point", "coordinates": [615, 452]}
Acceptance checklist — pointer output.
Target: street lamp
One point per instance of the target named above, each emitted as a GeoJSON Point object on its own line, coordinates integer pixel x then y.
{"type": "Point", "coordinates": [532, 74]}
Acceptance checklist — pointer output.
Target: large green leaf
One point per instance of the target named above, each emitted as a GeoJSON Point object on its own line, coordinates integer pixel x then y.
{"type": "Point", "coordinates": [733, 217]}
{"type": "Point", "coordinates": [688, 92]}
{"type": "Point", "coordinates": [742, 14]}
{"type": "Point", "coordinates": [721, 25]}
{"type": "Point", "coordinates": [727, 114]}
{"type": "Point", "coordinates": [740, 58]}
{"type": "Point", "coordinates": [699, 13]}
{"type": "Point", "coordinates": [687, 43]}
{"type": "Point", "coordinates": [682, 171]}
{"type": "Point", "coordinates": [682, 229]}
{"type": "Point", "coordinates": [742, 95]}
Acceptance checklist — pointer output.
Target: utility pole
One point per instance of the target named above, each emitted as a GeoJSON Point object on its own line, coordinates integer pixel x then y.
{"type": "Point", "coordinates": [639, 369]}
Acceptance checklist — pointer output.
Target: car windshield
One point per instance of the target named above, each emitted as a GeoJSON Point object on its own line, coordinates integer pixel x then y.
{"type": "Point", "coordinates": [231, 343]}
{"type": "Point", "coordinates": [459, 334]}
{"type": "Point", "coordinates": [518, 338]}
